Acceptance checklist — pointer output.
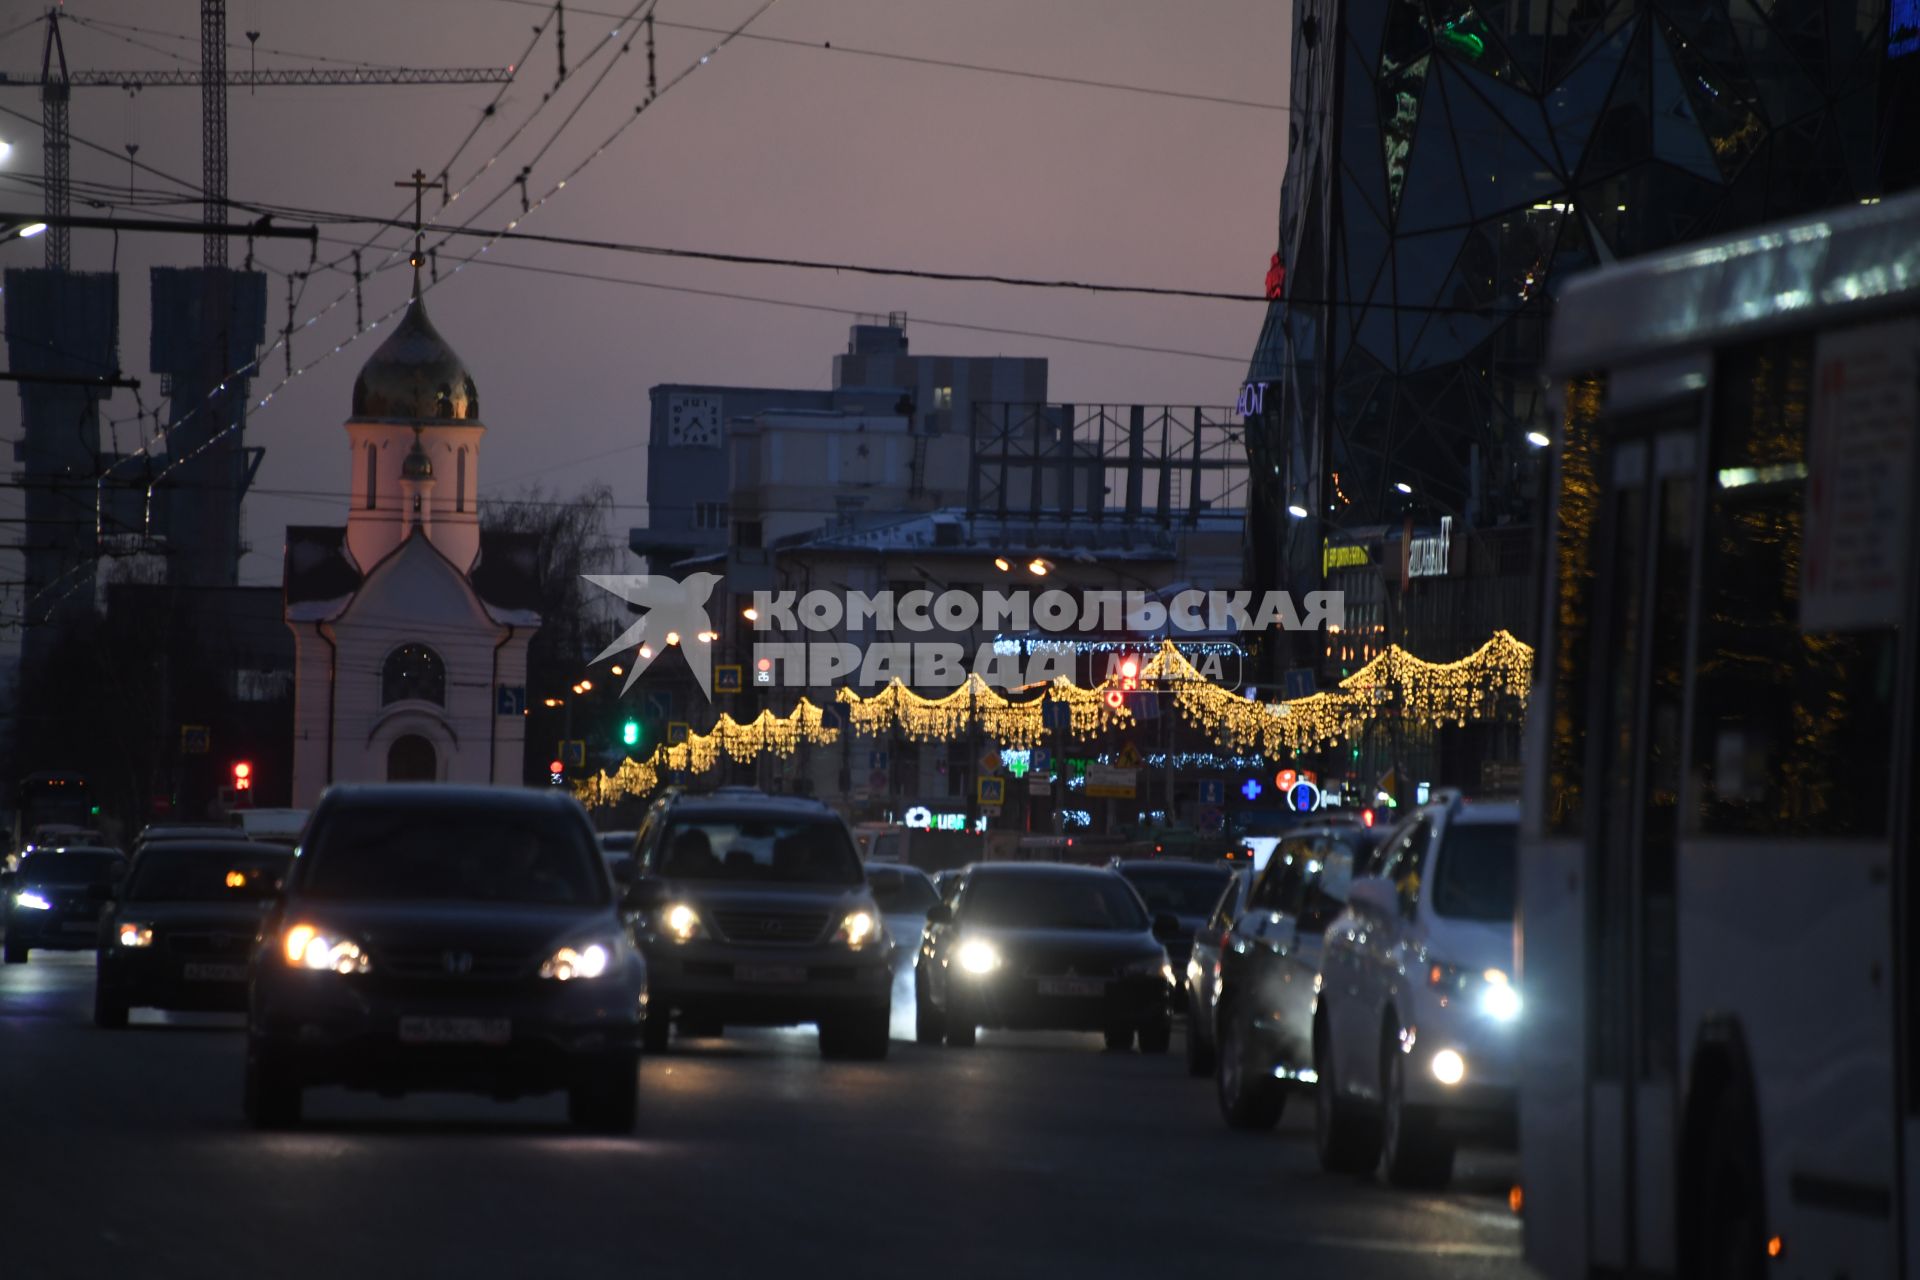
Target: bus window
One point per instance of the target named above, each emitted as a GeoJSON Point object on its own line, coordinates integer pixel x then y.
{"type": "Point", "coordinates": [1792, 731]}
{"type": "Point", "coordinates": [1566, 676]}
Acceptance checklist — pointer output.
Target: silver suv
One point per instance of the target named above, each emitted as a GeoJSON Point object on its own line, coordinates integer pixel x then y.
{"type": "Point", "coordinates": [756, 911]}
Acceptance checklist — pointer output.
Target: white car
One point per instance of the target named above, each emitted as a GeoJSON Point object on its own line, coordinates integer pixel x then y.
{"type": "Point", "coordinates": [1417, 1016]}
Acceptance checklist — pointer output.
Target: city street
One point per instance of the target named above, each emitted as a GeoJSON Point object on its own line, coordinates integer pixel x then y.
{"type": "Point", "coordinates": [125, 1153]}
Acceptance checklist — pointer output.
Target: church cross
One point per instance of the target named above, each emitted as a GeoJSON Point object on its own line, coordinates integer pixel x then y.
{"type": "Point", "coordinates": [421, 184]}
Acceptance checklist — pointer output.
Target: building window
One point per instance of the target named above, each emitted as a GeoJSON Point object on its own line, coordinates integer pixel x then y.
{"type": "Point", "coordinates": [943, 399]}
{"type": "Point", "coordinates": [746, 533]}
{"type": "Point", "coordinates": [373, 475]}
{"type": "Point", "coordinates": [413, 673]}
{"type": "Point", "coordinates": [710, 515]}
{"type": "Point", "coordinates": [412, 758]}
{"type": "Point", "coordinates": [460, 480]}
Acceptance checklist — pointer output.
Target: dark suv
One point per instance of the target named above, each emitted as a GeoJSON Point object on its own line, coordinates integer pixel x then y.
{"type": "Point", "coordinates": [453, 938]}
{"type": "Point", "coordinates": [757, 912]}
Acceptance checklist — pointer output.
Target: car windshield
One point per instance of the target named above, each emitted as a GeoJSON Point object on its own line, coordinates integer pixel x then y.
{"type": "Point", "coordinates": [759, 850]}
{"type": "Point", "coordinates": [1052, 902]}
{"type": "Point", "coordinates": [206, 874]}
{"type": "Point", "coordinates": [453, 855]}
{"type": "Point", "coordinates": [70, 868]}
{"type": "Point", "coordinates": [1474, 878]}
{"type": "Point", "coordinates": [901, 893]}
{"type": "Point", "coordinates": [1183, 892]}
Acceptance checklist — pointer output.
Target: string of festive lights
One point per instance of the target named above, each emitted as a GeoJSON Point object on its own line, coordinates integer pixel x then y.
{"type": "Point", "coordinates": [765, 734]}
{"type": "Point", "coordinates": [1479, 686]}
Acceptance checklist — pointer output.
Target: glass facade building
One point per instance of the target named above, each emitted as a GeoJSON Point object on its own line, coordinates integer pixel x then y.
{"type": "Point", "coordinates": [1451, 163]}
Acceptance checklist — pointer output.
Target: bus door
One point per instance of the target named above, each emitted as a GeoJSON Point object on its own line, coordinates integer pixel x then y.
{"type": "Point", "coordinates": [1648, 517]}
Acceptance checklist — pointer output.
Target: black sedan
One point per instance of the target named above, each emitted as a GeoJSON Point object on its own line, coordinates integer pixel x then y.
{"type": "Point", "coordinates": [1041, 946]}
{"type": "Point", "coordinates": [447, 938]}
{"type": "Point", "coordinates": [182, 925]}
{"type": "Point", "coordinates": [1186, 890]}
{"type": "Point", "coordinates": [53, 901]}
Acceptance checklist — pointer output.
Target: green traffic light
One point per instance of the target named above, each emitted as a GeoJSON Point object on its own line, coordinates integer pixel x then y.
{"type": "Point", "coordinates": [630, 733]}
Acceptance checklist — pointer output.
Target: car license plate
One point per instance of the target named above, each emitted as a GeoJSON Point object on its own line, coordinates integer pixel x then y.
{"type": "Point", "coordinates": [214, 972]}
{"type": "Point", "coordinates": [80, 926]}
{"type": "Point", "coordinates": [770, 973]}
{"type": "Point", "coordinates": [1072, 987]}
{"type": "Point", "coordinates": [425, 1030]}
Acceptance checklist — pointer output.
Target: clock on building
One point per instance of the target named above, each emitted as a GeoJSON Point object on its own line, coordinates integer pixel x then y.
{"type": "Point", "coordinates": [694, 420]}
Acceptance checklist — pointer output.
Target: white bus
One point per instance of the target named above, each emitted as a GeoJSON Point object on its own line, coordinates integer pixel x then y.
{"type": "Point", "coordinates": [1721, 800]}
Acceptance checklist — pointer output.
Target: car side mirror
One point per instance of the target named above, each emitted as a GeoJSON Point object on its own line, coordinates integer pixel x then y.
{"type": "Point", "coordinates": [1166, 926]}
{"type": "Point", "coordinates": [939, 913]}
{"type": "Point", "coordinates": [100, 893]}
{"type": "Point", "coordinates": [1374, 897]}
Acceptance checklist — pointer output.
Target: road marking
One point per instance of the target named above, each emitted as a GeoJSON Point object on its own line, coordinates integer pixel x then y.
{"type": "Point", "coordinates": [1441, 1248]}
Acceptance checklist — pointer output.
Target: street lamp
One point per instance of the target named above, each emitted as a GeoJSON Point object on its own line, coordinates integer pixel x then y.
{"type": "Point", "coordinates": [1297, 511]}
{"type": "Point", "coordinates": [1002, 564]}
{"type": "Point", "coordinates": [1403, 486]}
{"type": "Point", "coordinates": [1539, 439]}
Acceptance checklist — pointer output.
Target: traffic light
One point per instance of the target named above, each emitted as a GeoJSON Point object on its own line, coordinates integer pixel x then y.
{"type": "Point", "coordinates": [630, 732]}
{"type": "Point", "coordinates": [242, 776]}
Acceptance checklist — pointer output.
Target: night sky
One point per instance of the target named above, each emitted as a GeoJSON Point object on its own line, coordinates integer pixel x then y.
{"type": "Point", "coordinates": [769, 149]}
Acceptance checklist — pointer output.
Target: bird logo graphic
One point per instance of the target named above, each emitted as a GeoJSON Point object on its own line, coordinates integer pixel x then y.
{"type": "Point", "coordinates": [676, 615]}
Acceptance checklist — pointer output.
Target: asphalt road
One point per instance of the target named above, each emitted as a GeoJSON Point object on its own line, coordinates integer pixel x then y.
{"type": "Point", "coordinates": [124, 1153]}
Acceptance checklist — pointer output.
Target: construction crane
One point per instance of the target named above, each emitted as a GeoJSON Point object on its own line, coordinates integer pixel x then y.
{"type": "Point", "coordinates": [56, 83]}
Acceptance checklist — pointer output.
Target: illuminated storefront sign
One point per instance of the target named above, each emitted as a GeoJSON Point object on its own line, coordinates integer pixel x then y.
{"type": "Point", "coordinates": [1344, 556]}
{"type": "Point", "coordinates": [1431, 557]}
{"type": "Point", "coordinates": [1253, 400]}
{"type": "Point", "coordinates": [921, 818]}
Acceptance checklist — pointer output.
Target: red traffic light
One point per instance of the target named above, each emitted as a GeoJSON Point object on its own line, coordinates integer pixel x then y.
{"type": "Point", "coordinates": [242, 776]}
{"type": "Point", "coordinates": [1285, 779]}
{"type": "Point", "coordinates": [1130, 668]}
{"type": "Point", "coordinates": [1366, 817]}
{"type": "Point", "coordinates": [556, 767]}
{"type": "Point", "coordinates": [1115, 698]}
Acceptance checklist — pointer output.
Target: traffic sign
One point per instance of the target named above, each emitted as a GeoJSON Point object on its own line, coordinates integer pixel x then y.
{"type": "Point", "coordinates": [1129, 758]}
{"type": "Point", "coordinates": [1040, 760]}
{"type": "Point", "coordinates": [878, 780]}
{"type": "Point", "coordinates": [1304, 797]}
{"type": "Point", "coordinates": [1213, 791]}
{"type": "Point", "coordinates": [510, 700]}
{"type": "Point", "coordinates": [726, 677]}
{"type": "Point", "coordinates": [573, 752]}
{"type": "Point", "coordinates": [1056, 716]}
{"type": "Point", "coordinates": [1301, 683]}
{"type": "Point", "coordinates": [990, 761]}
{"type": "Point", "coordinates": [677, 730]}
{"type": "Point", "coordinates": [992, 792]}
{"type": "Point", "coordinates": [1211, 819]}
{"type": "Point", "coordinates": [195, 739]}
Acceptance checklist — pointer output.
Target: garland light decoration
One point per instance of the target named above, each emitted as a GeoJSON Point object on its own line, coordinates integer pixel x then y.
{"type": "Point", "coordinates": [765, 734]}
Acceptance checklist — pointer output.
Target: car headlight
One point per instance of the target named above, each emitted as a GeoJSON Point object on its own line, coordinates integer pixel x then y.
{"type": "Point", "coordinates": [680, 922]}
{"type": "Point", "coordinates": [1498, 999]}
{"type": "Point", "coordinates": [858, 929]}
{"type": "Point", "coordinates": [132, 934]}
{"type": "Point", "coordinates": [31, 901]}
{"type": "Point", "coordinates": [978, 956]}
{"type": "Point", "coordinates": [587, 961]}
{"type": "Point", "coordinates": [306, 947]}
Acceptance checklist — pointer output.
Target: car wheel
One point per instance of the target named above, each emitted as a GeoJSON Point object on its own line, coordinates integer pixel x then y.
{"type": "Point", "coordinates": [1157, 1036]}
{"type": "Point", "coordinates": [1119, 1039]}
{"type": "Point", "coordinates": [606, 1097]}
{"type": "Point", "coordinates": [1413, 1153]}
{"type": "Point", "coordinates": [1249, 1098]}
{"type": "Point", "coordinates": [929, 1027]}
{"type": "Point", "coordinates": [1346, 1134]}
{"type": "Point", "coordinates": [1731, 1232]}
{"type": "Point", "coordinates": [657, 1031]}
{"type": "Point", "coordinates": [109, 1010]}
{"type": "Point", "coordinates": [962, 1030]}
{"type": "Point", "coordinates": [16, 954]}
{"type": "Point", "coordinates": [272, 1093]}
{"type": "Point", "coordinates": [1200, 1055]}
{"type": "Point", "coordinates": [863, 1036]}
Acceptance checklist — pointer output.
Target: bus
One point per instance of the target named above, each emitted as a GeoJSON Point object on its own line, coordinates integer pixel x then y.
{"type": "Point", "coordinates": [1717, 877]}
{"type": "Point", "coordinates": [44, 799]}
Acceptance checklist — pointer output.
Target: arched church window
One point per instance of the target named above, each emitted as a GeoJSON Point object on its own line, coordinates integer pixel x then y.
{"type": "Point", "coordinates": [373, 475]}
{"type": "Point", "coordinates": [412, 758]}
{"type": "Point", "coordinates": [460, 480]}
{"type": "Point", "coordinates": [413, 672]}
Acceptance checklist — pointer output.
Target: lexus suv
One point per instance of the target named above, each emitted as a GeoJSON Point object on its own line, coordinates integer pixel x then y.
{"type": "Point", "coordinates": [1414, 1031]}
{"type": "Point", "coordinates": [756, 912]}
{"type": "Point", "coordinates": [435, 937]}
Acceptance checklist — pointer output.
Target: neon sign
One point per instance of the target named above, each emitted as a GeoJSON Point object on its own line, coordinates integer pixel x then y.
{"type": "Point", "coordinates": [1253, 400]}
